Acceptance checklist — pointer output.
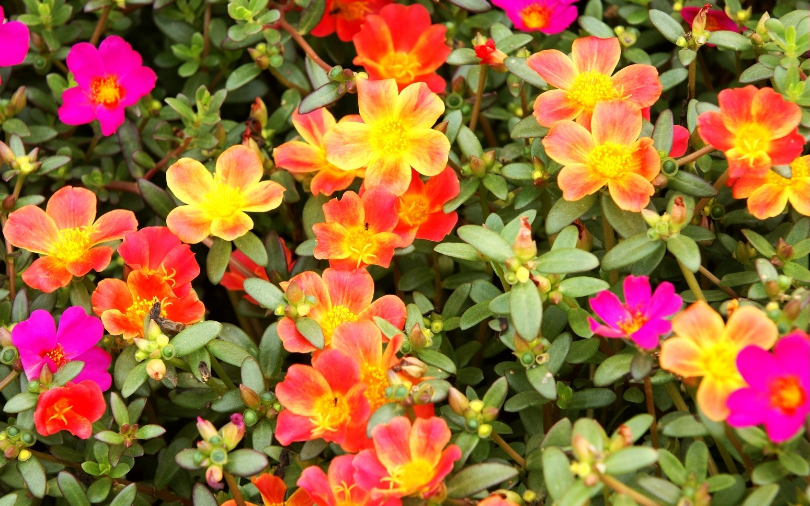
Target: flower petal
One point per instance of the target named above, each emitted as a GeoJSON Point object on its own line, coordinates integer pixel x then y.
{"type": "Point", "coordinates": [14, 39]}
{"type": "Point", "coordinates": [387, 307]}
{"type": "Point", "coordinates": [712, 396]}
{"type": "Point", "coordinates": [113, 225]}
{"type": "Point", "coordinates": [772, 112]}
{"type": "Point", "coordinates": [85, 63]}
{"type": "Point", "coordinates": [638, 84]}
{"type": "Point", "coordinates": [239, 167]}
{"type": "Point", "coordinates": [682, 356]}
{"type": "Point", "coordinates": [609, 308]}
{"type": "Point", "coordinates": [592, 54]}
{"type": "Point", "coordinates": [568, 143]}
{"type": "Point", "coordinates": [554, 67]}
{"type": "Point", "coordinates": [312, 126]}
{"type": "Point", "coordinates": [748, 326]}
{"type": "Point", "coordinates": [379, 209]}
{"type": "Point", "coordinates": [299, 157]}
{"type": "Point", "coordinates": [262, 196]}
{"type": "Point", "coordinates": [353, 290]}
{"type": "Point", "coordinates": [637, 292]}
{"type": "Point", "coordinates": [391, 172]}
{"type": "Point", "coordinates": [418, 108]}
{"type": "Point", "coordinates": [577, 180]}
{"type": "Point", "coordinates": [231, 227]}
{"type": "Point", "coordinates": [712, 129]}
{"type": "Point", "coordinates": [76, 108]}
{"type": "Point", "coordinates": [616, 121]}
{"type": "Point", "coordinates": [699, 323]}
{"type": "Point", "coordinates": [189, 223]}
{"type": "Point", "coordinates": [31, 228]}
{"type": "Point", "coordinates": [767, 201]}
{"type": "Point", "coordinates": [631, 192]}
{"type": "Point", "coordinates": [47, 274]}
{"type": "Point", "coordinates": [377, 100]}
{"type": "Point", "coordinates": [555, 105]}
{"type": "Point", "coordinates": [189, 180]}
{"type": "Point", "coordinates": [78, 331]}
{"type": "Point", "coordinates": [72, 207]}
{"type": "Point", "coordinates": [348, 145]}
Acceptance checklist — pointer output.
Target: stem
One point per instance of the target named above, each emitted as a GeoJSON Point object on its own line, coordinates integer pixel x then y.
{"type": "Point", "coordinates": [610, 242]}
{"type": "Point", "coordinates": [18, 186]}
{"type": "Point", "coordinates": [8, 379]}
{"type": "Point", "coordinates": [102, 23]}
{"type": "Point", "coordinates": [483, 194]}
{"type": "Point", "coordinates": [714, 279]}
{"type": "Point", "coordinates": [728, 460]}
{"type": "Point", "coordinates": [165, 161]}
{"type": "Point", "coordinates": [621, 488]}
{"type": "Point", "coordinates": [61, 66]}
{"type": "Point", "coordinates": [124, 186]}
{"type": "Point", "coordinates": [732, 437]}
{"type": "Point", "coordinates": [489, 134]}
{"type": "Point", "coordinates": [91, 148]}
{"type": "Point", "coordinates": [648, 396]}
{"type": "Point", "coordinates": [717, 185]}
{"type": "Point", "coordinates": [704, 71]}
{"type": "Point", "coordinates": [437, 299]}
{"type": "Point", "coordinates": [708, 148]}
{"type": "Point", "coordinates": [508, 449]}
{"type": "Point", "coordinates": [235, 492]}
{"type": "Point", "coordinates": [690, 90]}
{"type": "Point", "coordinates": [482, 82]}
{"type": "Point", "coordinates": [304, 45]}
{"type": "Point", "coordinates": [677, 399]}
{"type": "Point", "coordinates": [10, 272]}
{"type": "Point", "coordinates": [692, 282]}
{"type": "Point", "coordinates": [221, 373]}
{"type": "Point", "coordinates": [206, 37]}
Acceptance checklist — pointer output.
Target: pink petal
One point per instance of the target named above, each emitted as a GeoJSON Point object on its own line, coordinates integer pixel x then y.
{"type": "Point", "coordinates": [14, 39]}
{"type": "Point", "coordinates": [76, 108]}
{"type": "Point", "coordinates": [637, 292]}
{"type": "Point", "coordinates": [85, 63]}
{"type": "Point", "coordinates": [664, 301]}
{"type": "Point", "coordinates": [78, 332]}
{"type": "Point", "coordinates": [609, 308]}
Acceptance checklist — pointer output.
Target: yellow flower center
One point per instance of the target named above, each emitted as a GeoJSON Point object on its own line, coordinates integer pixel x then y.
{"type": "Point", "coordinates": [413, 209]}
{"type": "Point", "coordinates": [799, 169]}
{"type": "Point", "coordinates": [632, 324]}
{"type": "Point", "coordinates": [140, 307]}
{"type": "Point", "coordinates": [535, 16]}
{"type": "Point", "coordinates": [719, 361]}
{"type": "Point", "coordinates": [752, 140]}
{"type": "Point", "coordinates": [72, 243]}
{"type": "Point", "coordinates": [350, 9]}
{"type": "Point", "coordinates": [334, 317]}
{"type": "Point", "coordinates": [401, 66]}
{"type": "Point", "coordinates": [361, 244]}
{"type": "Point", "coordinates": [787, 394]}
{"type": "Point", "coordinates": [411, 476]}
{"type": "Point", "coordinates": [106, 91]}
{"type": "Point", "coordinates": [590, 88]}
{"type": "Point", "coordinates": [59, 409]}
{"type": "Point", "coordinates": [388, 138]}
{"type": "Point", "coordinates": [376, 382]}
{"type": "Point", "coordinates": [224, 201]}
{"type": "Point", "coordinates": [610, 160]}
{"type": "Point", "coordinates": [58, 356]}
{"type": "Point", "coordinates": [330, 412]}
{"type": "Point", "coordinates": [343, 494]}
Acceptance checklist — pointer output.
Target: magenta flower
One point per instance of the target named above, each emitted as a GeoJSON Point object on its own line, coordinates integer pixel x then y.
{"type": "Point", "coordinates": [40, 344]}
{"type": "Point", "coordinates": [14, 40]}
{"type": "Point", "coordinates": [642, 317]}
{"type": "Point", "coordinates": [110, 78]}
{"type": "Point", "coordinates": [778, 394]}
{"type": "Point", "coordinates": [547, 16]}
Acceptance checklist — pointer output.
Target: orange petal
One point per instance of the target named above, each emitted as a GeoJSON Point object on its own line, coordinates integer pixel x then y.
{"type": "Point", "coordinates": [271, 487]}
{"type": "Point", "coordinates": [554, 67]}
{"type": "Point", "coordinates": [96, 259]}
{"type": "Point", "coordinates": [428, 438]}
{"type": "Point", "coordinates": [361, 340]}
{"type": "Point", "coordinates": [774, 113]}
{"type": "Point", "coordinates": [431, 50]}
{"type": "Point", "coordinates": [312, 126]}
{"type": "Point", "coordinates": [784, 150]}
{"type": "Point", "coordinates": [301, 388]}
{"type": "Point", "coordinates": [739, 164]}
{"type": "Point", "coordinates": [577, 180]}
{"type": "Point", "coordinates": [376, 99]}
{"type": "Point", "coordinates": [735, 106]}
{"type": "Point", "coordinates": [682, 356]}
{"type": "Point", "coordinates": [47, 274]}
{"type": "Point", "coordinates": [592, 54]}
{"type": "Point", "coordinates": [189, 180]}
{"type": "Point", "coordinates": [331, 238]}
{"type": "Point", "coordinates": [328, 181]}
{"type": "Point", "coordinates": [353, 290]}
{"type": "Point", "coordinates": [348, 211]}
{"type": "Point", "coordinates": [239, 167]}
{"type": "Point", "coordinates": [299, 157]}
{"type": "Point", "coordinates": [427, 152]}
{"type": "Point", "coordinates": [348, 145]}
{"type": "Point", "coordinates": [391, 172]}
{"type": "Point", "coordinates": [766, 201]}
{"type": "Point", "coordinates": [231, 227]}
{"type": "Point", "coordinates": [31, 228]}
{"type": "Point", "coordinates": [189, 223]}
{"type": "Point", "coordinates": [631, 192]}
{"type": "Point", "coordinates": [379, 206]}
{"type": "Point", "coordinates": [712, 396]}
{"type": "Point", "coordinates": [418, 107]}
{"type": "Point", "coordinates": [617, 121]}
{"type": "Point", "coordinates": [113, 225]}
{"type": "Point", "coordinates": [314, 285]}
{"type": "Point", "coordinates": [568, 143]}
{"type": "Point", "coordinates": [391, 442]}
{"type": "Point", "coordinates": [748, 326]}
{"type": "Point", "coordinates": [72, 207]}
{"type": "Point", "coordinates": [799, 196]}
{"type": "Point", "coordinates": [712, 129]}
{"type": "Point", "coordinates": [700, 323]}
{"type": "Point", "coordinates": [553, 106]}
{"type": "Point", "coordinates": [262, 196]}
{"type": "Point", "coordinates": [645, 161]}
{"type": "Point", "coordinates": [638, 84]}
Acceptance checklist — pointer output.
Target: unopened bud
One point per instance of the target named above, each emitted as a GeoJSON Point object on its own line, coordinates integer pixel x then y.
{"type": "Point", "coordinates": [249, 397]}
{"type": "Point", "coordinates": [458, 401]}
{"type": "Point", "coordinates": [9, 354]}
{"type": "Point", "coordinates": [413, 367]}
{"type": "Point", "coordinates": [250, 417]}
{"type": "Point", "coordinates": [156, 369]}
{"type": "Point", "coordinates": [484, 430]}
{"type": "Point", "coordinates": [678, 214]}
{"type": "Point", "coordinates": [477, 405]}
{"type": "Point", "coordinates": [478, 166]}
{"type": "Point", "coordinates": [585, 238]}
{"type": "Point", "coordinates": [18, 100]}
{"type": "Point", "coordinates": [524, 246]}
{"type": "Point", "coordinates": [490, 413]}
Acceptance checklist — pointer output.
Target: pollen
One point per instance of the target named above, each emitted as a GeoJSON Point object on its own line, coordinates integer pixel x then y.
{"type": "Point", "coordinates": [787, 394]}
{"type": "Point", "coordinates": [106, 90]}
{"type": "Point", "coordinates": [361, 244]}
{"type": "Point", "coordinates": [411, 476]}
{"type": "Point", "coordinates": [331, 411]}
{"type": "Point", "coordinates": [610, 160]}
{"type": "Point", "coordinates": [59, 409]}
{"type": "Point", "coordinates": [388, 138]}
{"type": "Point", "coordinates": [58, 356]}
{"type": "Point", "coordinates": [72, 244]}
{"type": "Point", "coordinates": [224, 201]}
{"type": "Point", "coordinates": [413, 210]}
{"type": "Point", "coordinates": [719, 361]}
{"type": "Point", "coordinates": [334, 317]}
{"type": "Point", "coordinates": [633, 323]}
{"type": "Point", "coordinates": [376, 382]}
{"type": "Point", "coordinates": [590, 88]}
{"type": "Point", "coordinates": [401, 66]}
{"type": "Point", "coordinates": [752, 141]}
{"type": "Point", "coordinates": [535, 16]}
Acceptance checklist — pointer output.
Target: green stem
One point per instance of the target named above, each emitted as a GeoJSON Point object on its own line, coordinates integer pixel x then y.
{"type": "Point", "coordinates": [8, 379]}
{"type": "Point", "coordinates": [221, 373]}
{"type": "Point", "coordinates": [621, 488]}
{"type": "Point", "coordinates": [508, 449]}
{"type": "Point", "coordinates": [102, 23]}
{"type": "Point", "coordinates": [482, 83]}
{"type": "Point", "coordinates": [690, 93]}
{"type": "Point", "coordinates": [91, 148]}
{"type": "Point", "coordinates": [648, 397]}
{"type": "Point", "coordinates": [610, 242]}
{"type": "Point", "coordinates": [18, 186]}
{"type": "Point", "coordinates": [234, 488]}
{"type": "Point", "coordinates": [692, 282]}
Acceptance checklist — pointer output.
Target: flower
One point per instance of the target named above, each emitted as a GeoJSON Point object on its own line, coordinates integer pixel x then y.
{"type": "Point", "coordinates": [217, 203]}
{"type": "Point", "coordinates": [586, 79]}
{"type": "Point", "coordinates": [73, 407]}
{"type": "Point", "coordinates": [123, 306]}
{"type": "Point", "coordinates": [340, 296]}
{"type": "Point", "coordinates": [778, 391]}
{"type": "Point", "coordinates": [324, 401]}
{"type": "Point", "coordinates": [546, 16]}
{"type": "Point", "coordinates": [346, 17]}
{"type": "Point", "coordinates": [336, 487]}
{"type": "Point", "coordinates": [41, 344]}
{"type": "Point", "coordinates": [642, 317]}
{"type": "Point", "coordinates": [212, 451]}
{"type": "Point", "coordinates": [234, 280]}
{"type": "Point", "coordinates": [406, 460]}
{"type": "Point", "coordinates": [713, 20]}
{"type": "Point", "coordinates": [680, 136]}
{"type": "Point", "coordinates": [755, 128]}
{"type": "Point", "coordinates": [358, 230]}
{"type": "Point", "coordinates": [273, 491]}
{"type": "Point", "coordinates": [109, 79]}
{"type": "Point", "coordinates": [396, 134]}
{"type": "Point", "coordinates": [156, 250]}
{"type": "Point", "coordinates": [769, 193]}
{"type": "Point", "coordinates": [703, 346]}
{"type": "Point", "coordinates": [498, 499]}
{"type": "Point", "coordinates": [611, 154]}
{"type": "Point", "coordinates": [66, 236]}
{"type": "Point", "coordinates": [14, 39]}
{"type": "Point", "coordinates": [490, 55]}
{"type": "Point", "coordinates": [310, 156]}
{"type": "Point", "coordinates": [400, 43]}
{"type": "Point", "coordinates": [420, 208]}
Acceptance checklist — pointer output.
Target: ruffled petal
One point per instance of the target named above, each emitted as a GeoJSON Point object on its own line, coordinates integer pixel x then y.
{"type": "Point", "coordinates": [110, 118]}
{"type": "Point", "coordinates": [78, 331]}
{"type": "Point", "coordinates": [31, 228]}
{"type": "Point", "coordinates": [377, 100]}
{"type": "Point", "coordinates": [664, 302]}
{"type": "Point", "coordinates": [312, 126]}
{"type": "Point", "coordinates": [299, 157]}
{"type": "Point", "coordinates": [592, 54]}
{"type": "Point", "coordinates": [699, 323]}
{"type": "Point", "coordinates": [76, 108]}
{"type": "Point", "coordinates": [748, 326]}
{"type": "Point", "coordinates": [339, 370]}
{"type": "Point", "coordinates": [379, 206]}
{"type": "Point", "coordinates": [328, 181]}
{"type": "Point", "coordinates": [638, 84]}
{"type": "Point", "coordinates": [85, 63]}
{"type": "Point", "coordinates": [72, 207]}
{"type": "Point", "coordinates": [113, 225]}
{"type": "Point", "coordinates": [47, 274]}
{"type": "Point", "coordinates": [231, 227]}
{"type": "Point", "coordinates": [712, 396]}
{"type": "Point", "coordinates": [637, 292]}
{"type": "Point", "coordinates": [616, 121]}
{"type": "Point", "coordinates": [239, 167]}
{"type": "Point", "coordinates": [293, 341]}
{"type": "Point", "coordinates": [767, 201]}
{"type": "Point", "coordinates": [353, 290]}
{"type": "Point", "coordinates": [609, 308]}
{"type": "Point", "coordinates": [348, 145]}
{"type": "Point", "coordinates": [772, 112]}
{"type": "Point", "coordinates": [391, 172]}
{"type": "Point", "coordinates": [554, 67]}
{"type": "Point", "coordinates": [712, 130]}
{"type": "Point", "coordinates": [568, 143]}
{"type": "Point", "coordinates": [14, 39]}
{"type": "Point", "coordinates": [189, 223]}
{"type": "Point", "coordinates": [190, 181]}
{"type": "Point", "coordinates": [418, 108]}
{"type": "Point", "coordinates": [387, 307]}
{"type": "Point", "coordinates": [262, 197]}
{"type": "Point", "coordinates": [137, 84]}
{"type": "Point", "coordinates": [631, 192]}
{"type": "Point", "coordinates": [577, 180]}
{"type": "Point", "coordinates": [682, 356]}
{"type": "Point", "coordinates": [555, 105]}
{"type": "Point", "coordinates": [348, 211]}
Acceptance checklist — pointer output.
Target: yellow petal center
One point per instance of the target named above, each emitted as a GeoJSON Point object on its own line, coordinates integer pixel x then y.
{"type": "Point", "coordinates": [590, 88]}
{"type": "Point", "coordinates": [413, 209]}
{"type": "Point", "coordinates": [334, 317]}
{"type": "Point", "coordinates": [719, 361]}
{"type": "Point", "coordinates": [58, 356]}
{"type": "Point", "coordinates": [411, 476]}
{"type": "Point", "coordinates": [401, 66]}
{"type": "Point", "coordinates": [787, 394]}
{"type": "Point", "coordinates": [330, 412]}
{"type": "Point", "coordinates": [361, 246]}
{"type": "Point", "coordinates": [752, 141]}
{"type": "Point", "coordinates": [535, 16]}
{"type": "Point", "coordinates": [140, 307]}
{"type": "Point", "coordinates": [633, 323]}
{"type": "Point", "coordinates": [224, 201]}
{"type": "Point", "coordinates": [59, 409]}
{"type": "Point", "coordinates": [376, 382]}
{"type": "Point", "coordinates": [610, 160]}
{"type": "Point", "coordinates": [72, 244]}
{"type": "Point", "coordinates": [106, 91]}
{"type": "Point", "coordinates": [388, 138]}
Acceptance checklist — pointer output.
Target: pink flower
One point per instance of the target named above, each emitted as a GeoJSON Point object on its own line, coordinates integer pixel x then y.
{"type": "Point", "coordinates": [337, 486]}
{"type": "Point", "coordinates": [40, 344]}
{"type": "Point", "coordinates": [641, 317]}
{"type": "Point", "coordinates": [547, 16]}
{"type": "Point", "coordinates": [110, 78]}
{"type": "Point", "coordinates": [778, 394]}
{"type": "Point", "coordinates": [14, 41]}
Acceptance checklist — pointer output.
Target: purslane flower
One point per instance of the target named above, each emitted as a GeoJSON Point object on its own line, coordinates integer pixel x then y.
{"type": "Point", "coordinates": [712, 20]}
{"type": "Point", "coordinates": [67, 235]}
{"type": "Point", "coordinates": [109, 79]}
{"type": "Point", "coordinates": [769, 193]}
{"type": "Point", "coordinates": [73, 407]}
{"type": "Point", "coordinates": [234, 279]}
{"type": "Point", "coordinates": [273, 492]}
{"type": "Point", "coordinates": [346, 17]}
{"type": "Point", "coordinates": [337, 486]}
{"type": "Point", "coordinates": [420, 208]}
{"type": "Point", "coordinates": [14, 39]}
{"type": "Point", "coordinates": [156, 250]}
{"type": "Point", "coordinates": [546, 16]}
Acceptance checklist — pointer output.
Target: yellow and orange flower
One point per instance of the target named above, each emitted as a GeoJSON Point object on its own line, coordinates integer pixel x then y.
{"type": "Point", "coordinates": [358, 230]}
{"type": "Point", "coordinates": [768, 194]}
{"type": "Point", "coordinates": [400, 43]}
{"type": "Point", "coordinates": [611, 154]}
{"type": "Point", "coordinates": [309, 156]}
{"type": "Point", "coordinates": [586, 79]}
{"type": "Point", "coordinates": [123, 306]}
{"type": "Point", "coordinates": [217, 203]}
{"type": "Point", "coordinates": [704, 346]}
{"type": "Point", "coordinates": [273, 491]}
{"type": "Point", "coordinates": [67, 236]}
{"type": "Point", "coordinates": [755, 128]}
{"type": "Point", "coordinates": [396, 134]}
{"type": "Point", "coordinates": [420, 209]}
{"type": "Point", "coordinates": [340, 296]}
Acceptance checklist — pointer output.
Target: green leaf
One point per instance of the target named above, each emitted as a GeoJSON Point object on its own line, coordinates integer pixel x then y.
{"type": "Point", "coordinates": [662, 489]}
{"type": "Point", "coordinates": [557, 472]}
{"type": "Point", "coordinates": [528, 128]}
{"type": "Point", "coordinates": [629, 252]}
{"type": "Point", "coordinates": [311, 16]}
{"type": "Point", "coordinates": [596, 27]}
{"type": "Point", "coordinates": [760, 243]}
{"type": "Point", "coordinates": [518, 66]}
{"type": "Point", "coordinates": [685, 250]}
{"type": "Point", "coordinates": [496, 394]}
{"type": "Point", "coordinates": [437, 360]}
{"type": "Point", "coordinates": [582, 286]}
{"type": "Point", "coordinates": [672, 78]}
{"type": "Point", "coordinates": [476, 478]}
{"type": "Point", "coordinates": [327, 94]}
{"type": "Point", "coordinates": [243, 75]}
{"type": "Point", "coordinates": [566, 260]}
{"type": "Point", "coordinates": [99, 490]}
{"type": "Point", "coordinates": [217, 260]}
{"type": "Point", "coordinates": [730, 40]}
{"type": "Point", "coordinates": [756, 72]}
{"type": "Point", "coordinates": [463, 56]}
{"type": "Point", "coordinates": [253, 247]}
{"type": "Point", "coordinates": [459, 250]}
{"type": "Point", "coordinates": [311, 331]}
{"type": "Point", "coordinates": [68, 372]}
{"type": "Point", "coordinates": [578, 494]}
{"type": "Point", "coordinates": [513, 42]}
{"type": "Point", "coordinates": [126, 497]}
{"type": "Point", "coordinates": [672, 467]}
{"type": "Point", "coordinates": [592, 398]}
{"type": "Point", "coordinates": [467, 188]}
{"type": "Point", "coordinates": [669, 28]}
{"type": "Point", "coordinates": [630, 459]}
{"type": "Point", "coordinates": [496, 184]}
{"type": "Point", "coordinates": [201, 496]}
{"type": "Point", "coordinates": [626, 223]}
{"type": "Point", "coordinates": [486, 241]}
{"type": "Point", "coordinates": [526, 309]}
{"type": "Point", "coordinates": [543, 381]}
{"type": "Point", "coordinates": [136, 377]}
{"type": "Point", "coordinates": [227, 352]}
{"type": "Point", "coordinates": [156, 197]}
{"type": "Point", "coordinates": [195, 337]}
{"type": "Point", "coordinates": [762, 496]}
{"type": "Point", "coordinates": [612, 369]}
{"type": "Point", "coordinates": [149, 431]}
{"type": "Point", "coordinates": [245, 462]}
{"type": "Point", "coordinates": [71, 489]}
{"type": "Point", "coordinates": [685, 426]}
{"type": "Point", "coordinates": [564, 212]}
{"type": "Point", "coordinates": [34, 475]}
{"type": "Point", "coordinates": [21, 402]}
{"type": "Point", "coordinates": [794, 463]}
{"type": "Point", "coordinates": [769, 472]}
{"type": "Point", "coordinates": [384, 414]}
{"type": "Point", "coordinates": [690, 184]}
{"type": "Point", "coordinates": [266, 293]}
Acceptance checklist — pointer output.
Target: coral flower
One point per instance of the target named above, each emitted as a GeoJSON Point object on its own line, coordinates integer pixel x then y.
{"type": "Point", "coordinates": [42, 345]}
{"type": "Point", "coordinates": [778, 391]}
{"type": "Point", "coordinates": [14, 39]}
{"type": "Point", "coordinates": [310, 156]}
{"type": "Point", "coordinates": [234, 280]}
{"type": "Point", "coordinates": [587, 79]}
{"type": "Point", "coordinates": [497, 499]}
{"type": "Point", "coordinates": [611, 154]}
{"type": "Point", "coordinates": [123, 306]}
{"type": "Point", "coordinates": [66, 236]}
{"type": "Point", "coordinates": [340, 296]}
{"type": "Point", "coordinates": [642, 316]}
{"type": "Point", "coordinates": [396, 134]}
{"type": "Point", "coordinates": [401, 44]}
{"type": "Point", "coordinates": [156, 250]}
{"type": "Point", "coordinates": [73, 407]}
{"type": "Point", "coordinates": [109, 79]}
{"type": "Point", "coordinates": [406, 460]}
{"type": "Point", "coordinates": [703, 346]}
{"type": "Point", "coordinates": [490, 55]}
{"type": "Point", "coordinates": [714, 19]}
{"type": "Point", "coordinates": [337, 486]}
{"type": "Point", "coordinates": [273, 491]}
{"type": "Point", "coordinates": [546, 16]}
{"type": "Point", "coordinates": [768, 194]}
{"type": "Point", "coordinates": [217, 203]}
{"type": "Point", "coordinates": [345, 17]}
{"type": "Point", "coordinates": [358, 230]}
{"type": "Point", "coordinates": [420, 208]}
{"type": "Point", "coordinates": [324, 401]}
{"type": "Point", "coordinates": [755, 128]}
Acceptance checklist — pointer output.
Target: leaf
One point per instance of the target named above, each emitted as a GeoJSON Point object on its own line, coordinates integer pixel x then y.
{"type": "Point", "coordinates": [462, 251]}
{"type": "Point", "coordinates": [768, 472]}
{"type": "Point", "coordinates": [672, 467]}
{"type": "Point", "coordinates": [311, 16]}
{"type": "Point", "coordinates": [71, 489]}
{"type": "Point", "coordinates": [195, 337]}
{"type": "Point", "coordinates": [243, 75]}
{"type": "Point", "coordinates": [311, 331]}
{"type": "Point", "coordinates": [327, 94]}
{"type": "Point", "coordinates": [629, 252]}
{"type": "Point", "coordinates": [626, 223]}
{"type": "Point", "coordinates": [217, 260]}
{"type": "Point", "coordinates": [518, 66]}
{"type": "Point", "coordinates": [476, 478]}
{"type": "Point", "coordinates": [126, 497]}
{"type": "Point", "coordinates": [472, 5]}
{"type": "Point", "coordinates": [685, 426]}
{"type": "Point", "coordinates": [486, 241]}
{"type": "Point", "coordinates": [467, 188]}
{"type": "Point", "coordinates": [528, 128]}
{"type": "Point", "coordinates": [592, 398]}
{"type": "Point", "coordinates": [582, 286]}
{"type": "Point", "coordinates": [227, 352]}
{"type": "Point", "coordinates": [672, 78]}
{"type": "Point", "coordinates": [136, 377]}
{"type": "Point", "coordinates": [526, 309]}
{"type": "Point", "coordinates": [469, 143]}
{"type": "Point", "coordinates": [245, 462]}
{"type": "Point", "coordinates": [685, 250]}
{"type": "Point", "coordinates": [201, 496]}
{"type": "Point", "coordinates": [662, 489]}
{"type": "Point", "coordinates": [564, 212]}
{"type": "Point", "coordinates": [21, 402]}
{"type": "Point", "coordinates": [669, 28]}
{"type": "Point", "coordinates": [630, 459]}
{"type": "Point", "coordinates": [463, 56]}
{"type": "Point", "coordinates": [496, 394]}
{"type": "Point", "coordinates": [68, 372]}
{"type": "Point", "coordinates": [557, 472]}
{"type": "Point", "coordinates": [266, 293]}
{"type": "Point", "coordinates": [596, 27]}
{"type": "Point", "coordinates": [762, 496]}
{"type": "Point", "coordinates": [756, 72]}
{"type": "Point", "coordinates": [156, 197]}
{"type": "Point", "coordinates": [612, 369]}
{"type": "Point", "coordinates": [543, 381]}
{"type": "Point", "coordinates": [253, 247]}
{"type": "Point", "coordinates": [730, 40]}
{"type": "Point", "coordinates": [34, 475]}
{"type": "Point", "coordinates": [384, 414]}
{"type": "Point", "coordinates": [566, 260]}
{"type": "Point", "coordinates": [437, 360]}
{"type": "Point", "coordinates": [690, 184]}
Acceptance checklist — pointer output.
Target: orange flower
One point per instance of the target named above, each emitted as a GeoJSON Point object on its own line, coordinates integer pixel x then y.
{"type": "Point", "coordinates": [274, 491]}
{"type": "Point", "coordinates": [401, 44]}
{"type": "Point", "coordinates": [358, 230]}
{"type": "Point", "coordinates": [396, 134]}
{"type": "Point", "coordinates": [755, 128]}
{"type": "Point", "coordinates": [345, 17]}
{"type": "Point", "coordinates": [768, 194]}
{"type": "Point", "coordinates": [66, 234]}
{"type": "Point", "coordinates": [217, 203]}
{"type": "Point", "coordinates": [420, 209]}
{"type": "Point", "coordinates": [587, 79]}
{"type": "Point", "coordinates": [156, 250]}
{"type": "Point", "coordinates": [338, 487]}
{"type": "Point", "coordinates": [73, 407]}
{"type": "Point", "coordinates": [234, 280]}
{"type": "Point", "coordinates": [340, 296]}
{"type": "Point", "coordinates": [703, 346]}
{"type": "Point", "coordinates": [324, 401]}
{"type": "Point", "coordinates": [611, 154]}
{"type": "Point", "coordinates": [123, 306]}
{"type": "Point", "coordinates": [307, 157]}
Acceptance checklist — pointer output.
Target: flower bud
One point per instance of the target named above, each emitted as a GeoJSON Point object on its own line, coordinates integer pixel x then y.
{"type": "Point", "coordinates": [681, 42]}
{"type": "Point", "coordinates": [477, 405]}
{"type": "Point", "coordinates": [543, 284]}
{"type": "Point", "coordinates": [234, 431]}
{"type": "Point", "coordinates": [424, 393]}
{"type": "Point", "coordinates": [490, 413]}
{"type": "Point", "coordinates": [699, 23]}
{"type": "Point", "coordinates": [582, 449]}
{"type": "Point", "coordinates": [585, 238]}
{"type": "Point", "coordinates": [206, 428]}
{"type": "Point", "coordinates": [484, 430]}
{"type": "Point", "coordinates": [24, 455]}
{"type": "Point", "coordinates": [555, 297]}
{"type": "Point", "coordinates": [458, 401]}
{"type": "Point", "coordinates": [678, 215]}
{"type": "Point", "coordinates": [478, 166]}
{"type": "Point", "coordinates": [524, 246]}
{"type": "Point", "coordinates": [489, 54]}
{"type": "Point", "coordinates": [156, 369]}
{"type": "Point", "coordinates": [250, 417]}
{"type": "Point", "coordinates": [522, 275]}
{"type": "Point", "coordinates": [413, 367]}
{"type": "Point", "coordinates": [249, 397]}
{"type": "Point", "coordinates": [294, 293]}
{"type": "Point", "coordinates": [213, 475]}
{"type": "Point", "coordinates": [6, 154]}
{"type": "Point", "coordinates": [9, 354]}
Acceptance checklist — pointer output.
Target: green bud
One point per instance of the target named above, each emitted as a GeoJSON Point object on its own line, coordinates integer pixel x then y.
{"type": "Point", "coordinates": [250, 417]}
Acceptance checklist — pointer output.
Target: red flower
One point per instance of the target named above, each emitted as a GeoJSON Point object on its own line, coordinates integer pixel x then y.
{"type": "Point", "coordinates": [156, 250]}
{"type": "Point", "coordinates": [346, 17]}
{"type": "Point", "coordinates": [234, 280]}
{"type": "Point", "coordinates": [490, 55]}
{"type": "Point", "coordinates": [420, 208]}
{"type": "Point", "coordinates": [401, 44]}
{"type": "Point", "coordinates": [714, 20]}
{"type": "Point", "coordinates": [73, 407]}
